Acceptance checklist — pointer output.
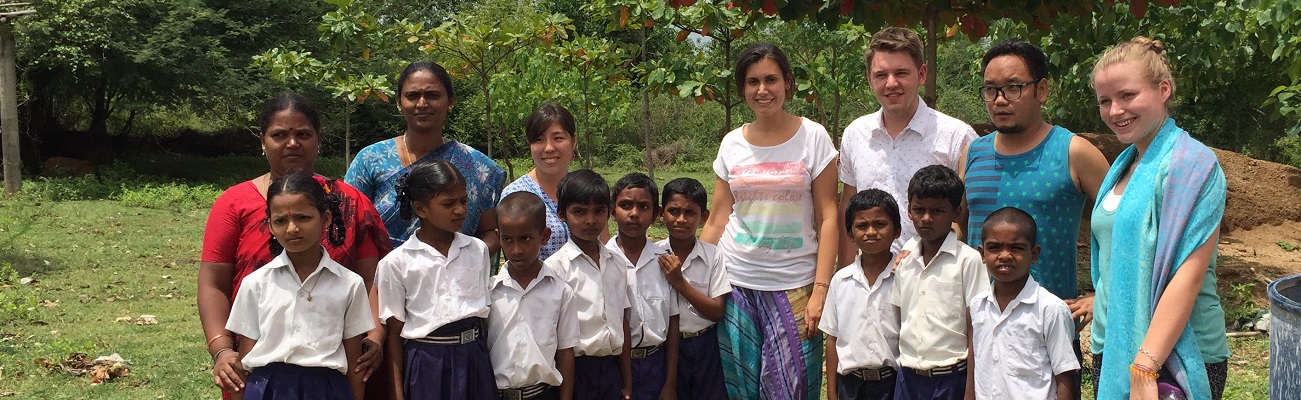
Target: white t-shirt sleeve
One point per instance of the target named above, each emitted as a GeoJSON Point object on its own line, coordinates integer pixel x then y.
{"type": "Point", "coordinates": [243, 318]}
{"type": "Point", "coordinates": [1059, 331]}
{"type": "Point", "coordinates": [391, 291]}
{"type": "Point", "coordinates": [357, 320]}
{"type": "Point", "coordinates": [820, 150]}
{"type": "Point", "coordinates": [567, 333]}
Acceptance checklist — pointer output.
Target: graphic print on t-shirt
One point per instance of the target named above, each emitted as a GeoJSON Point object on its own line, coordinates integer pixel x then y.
{"type": "Point", "coordinates": [768, 201]}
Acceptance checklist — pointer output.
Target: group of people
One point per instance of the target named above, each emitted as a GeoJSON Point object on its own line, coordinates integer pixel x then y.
{"type": "Point", "coordinates": [945, 268]}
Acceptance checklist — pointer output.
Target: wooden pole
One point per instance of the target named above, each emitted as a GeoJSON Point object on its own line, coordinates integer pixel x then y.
{"type": "Point", "coordinates": [9, 109]}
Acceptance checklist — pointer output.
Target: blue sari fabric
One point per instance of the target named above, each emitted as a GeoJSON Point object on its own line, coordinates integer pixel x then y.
{"type": "Point", "coordinates": [1173, 203]}
{"type": "Point", "coordinates": [376, 170]}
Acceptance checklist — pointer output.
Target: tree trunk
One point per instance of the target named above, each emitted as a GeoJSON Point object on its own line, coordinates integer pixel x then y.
{"type": "Point", "coordinates": [484, 79]}
{"type": "Point", "coordinates": [347, 133]}
{"type": "Point", "coordinates": [130, 122]}
{"type": "Point", "coordinates": [9, 110]}
{"type": "Point", "coordinates": [646, 117]}
{"type": "Point", "coordinates": [100, 109]}
{"type": "Point", "coordinates": [727, 97]}
{"type": "Point", "coordinates": [587, 124]}
{"type": "Point", "coordinates": [932, 16]}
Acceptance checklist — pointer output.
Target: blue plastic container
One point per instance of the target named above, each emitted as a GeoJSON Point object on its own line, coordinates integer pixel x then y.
{"type": "Point", "coordinates": [1285, 338]}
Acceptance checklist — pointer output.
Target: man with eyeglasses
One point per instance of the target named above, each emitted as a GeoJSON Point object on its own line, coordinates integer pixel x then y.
{"type": "Point", "coordinates": [884, 149]}
{"type": "Point", "coordinates": [1042, 169]}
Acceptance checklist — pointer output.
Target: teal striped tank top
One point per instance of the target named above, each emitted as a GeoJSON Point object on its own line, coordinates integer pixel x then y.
{"type": "Point", "coordinates": [1037, 182]}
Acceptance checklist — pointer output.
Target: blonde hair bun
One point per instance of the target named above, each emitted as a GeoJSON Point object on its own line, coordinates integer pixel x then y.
{"type": "Point", "coordinates": [1152, 45]}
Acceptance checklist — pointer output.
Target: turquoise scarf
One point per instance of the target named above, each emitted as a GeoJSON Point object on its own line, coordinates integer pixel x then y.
{"type": "Point", "coordinates": [1173, 203]}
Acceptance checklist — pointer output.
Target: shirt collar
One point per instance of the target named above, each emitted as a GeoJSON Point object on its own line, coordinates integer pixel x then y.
{"type": "Point", "coordinates": [1025, 296]}
{"type": "Point", "coordinates": [572, 252]}
{"type": "Point", "coordinates": [414, 244]}
{"type": "Point", "coordinates": [503, 277]}
{"type": "Point", "coordinates": [917, 124]}
{"type": "Point", "coordinates": [914, 247]}
{"type": "Point", "coordinates": [650, 252]}
{"type": "Point", "coordinates": [856, 273]}
{"type": "Point", "coordinates": [326, 262]}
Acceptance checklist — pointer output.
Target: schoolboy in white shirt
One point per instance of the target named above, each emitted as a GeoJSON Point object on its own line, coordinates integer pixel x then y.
{"type": "Point", "coordinates": [1021, 332]}
{"type": "Point", "coordinates": [932, 286]}
{"type": "Point", "coordinates": [533, 326]}
{"type": "Point", "coordinates": [696, 272]}
{"type": "Point", "coordinates": [862, 327]}
{"type": "Point", "coordinates": [599, 279]}
{"type": "Point", "coordinates": [653, 322]}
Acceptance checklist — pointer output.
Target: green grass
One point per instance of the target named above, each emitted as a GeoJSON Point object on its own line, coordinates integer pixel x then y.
{"type": "Point", "coordinates": [127, 243]}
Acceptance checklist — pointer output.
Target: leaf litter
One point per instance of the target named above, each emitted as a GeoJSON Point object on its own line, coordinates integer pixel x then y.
{"type": "Point", "coordinates": [100, 370]}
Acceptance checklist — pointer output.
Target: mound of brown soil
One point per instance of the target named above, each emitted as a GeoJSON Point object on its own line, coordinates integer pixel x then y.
{"type": "Point", "coordinates": [1260, 192]}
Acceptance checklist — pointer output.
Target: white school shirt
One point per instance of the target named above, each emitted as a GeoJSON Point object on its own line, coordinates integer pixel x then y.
{"type": "Point", "coordinates": [652, 298]}
{"type": "Point", "coordinates": [932, 301]}
{"type": "Point", "coordinates": [1021, 348]}
{"type": "Point", "coordinates": [860, 316]}
{"type": "Point", "coordinates": [526, 327]}
{"type": "Point", "coordinates": [272, 308]}
{"type": "Point", "coordinates": [703, 269]}
{"type": "Point", "coordinates": [770, 241]}
{"type": "Point", "coordinates": [870, 158]}
{"type": "Point", "coordinates": [600, 297]}
{"type": "Point", "coordinates": [426, 289]}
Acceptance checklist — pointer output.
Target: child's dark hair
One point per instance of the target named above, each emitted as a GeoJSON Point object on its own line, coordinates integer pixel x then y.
{"type": "Point", "coordinates": [868, 199]}
{"type": "Point", "coordinates": [321, 192]}
{"type": "Point", "coordinates": [936, 181]}
{"type": "Point", "coordinates": [637, 180]}
{"type": "Point", "coordinates": [582, 187]}
{"type": "Point", "coordinates": [523, 205]}
{"type": "Point", "coordinates": [689, 188]}
{"type": "Point", "coordinates": [289, 101]}
{"type": "Point", "coordinates": [1023, 221]}
{"type": "Point", "coordinates": [426, 180]}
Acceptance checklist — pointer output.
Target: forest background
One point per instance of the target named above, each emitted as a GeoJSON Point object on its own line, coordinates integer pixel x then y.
{"type": "Point", "coordinates": [158, 101]}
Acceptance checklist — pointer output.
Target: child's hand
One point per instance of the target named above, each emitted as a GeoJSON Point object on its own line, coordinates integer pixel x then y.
{"type": "Point", "coordinates": [898, 260]}
{"type": "Point", "coordinates": [227, 371]}
{"type": "Point", "coordinates": [672, 267]}
{"type": "Point", "coordinates": [372, 357]}
{"type": "Point", "coordinates": [1081, 309]}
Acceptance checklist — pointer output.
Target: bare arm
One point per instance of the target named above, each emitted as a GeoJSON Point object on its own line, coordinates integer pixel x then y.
{"type": "Point", "coordinates": [824, 212]}
{"type": "Point", "coordinates": [960, 224]}
{"type": "Point", "coordinates": [833, 377]}
{"type": "Point", "coordinates": [214, 293]}
{"type": "Point", "coordinates": [1173, 308]}
{"type": "Point", "coordinates": [1065, 383]}
{"type": "Point", "coordinates": [246, 344]}
{"type": "Point", "coordinates": [352, 349]}
{"type": "Point", "coordinates": [719, 212]}
{"type": "Point", "coordinates": [625, 358]}
{"type": "Point", "coordinates": [396, 356]}
{"type": "Point", "coordinates": [971, 362]}
{"type": "Point", "coordinates": [847, 248]}
{"type": "Point", "coordinates": [565, 363]}
{"type": "Point", "coordinates": [670, 390]}
{"type": "Point", "coordinates": [488, 231]}
{"type": "Point", "coordinates": [1088, 167]}
{"type": "Point", "coordinates": [372, 346]}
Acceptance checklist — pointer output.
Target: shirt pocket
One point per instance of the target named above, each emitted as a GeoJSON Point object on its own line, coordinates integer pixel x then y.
{"type": "Point", "coordinates": [543, 320]}
{"type": "Point", "coordinates": [944, 302]}
{"type": "Point", "coordinates": [1023, 355]}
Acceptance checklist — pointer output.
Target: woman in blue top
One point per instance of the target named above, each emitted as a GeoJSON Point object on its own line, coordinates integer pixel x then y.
{"type": "Point", "coordinates": [552, 139]}
{"type": "Point", "coordinates": [1155, 226]}
{"type": "Point", "coordinates": [425, 97]}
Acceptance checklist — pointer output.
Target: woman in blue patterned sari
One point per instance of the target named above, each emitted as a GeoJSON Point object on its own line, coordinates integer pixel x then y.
{"type": "Point", "coordinates": [425, 97]}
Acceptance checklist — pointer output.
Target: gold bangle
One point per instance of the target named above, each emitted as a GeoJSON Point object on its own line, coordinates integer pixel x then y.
{"type": "Point", "coordinates": [1142, 371]}
{"type": "Point", "coordinates": [214, 338]}
{"type": "Point", "coordinates": [823, 284]}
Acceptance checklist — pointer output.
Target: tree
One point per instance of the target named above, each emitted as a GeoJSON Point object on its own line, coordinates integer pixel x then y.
{"type": "Point", "coordinates": [482, 43]}
{"type": "Point", "coordinates": [602, 85]}
{"type": "Point", "coordinates": [828, 64]}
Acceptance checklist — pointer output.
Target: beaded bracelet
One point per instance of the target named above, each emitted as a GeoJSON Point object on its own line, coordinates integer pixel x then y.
{"type": "Point", "coordinates": [1149, 355]}
{"type": "Point", "coordinates": [823, 284]}
{"type": "Point", "coordinates": [1142, 371]}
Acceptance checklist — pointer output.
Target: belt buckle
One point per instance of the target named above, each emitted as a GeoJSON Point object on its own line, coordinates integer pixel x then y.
{"type": "Point", "coordinates": [871, 374]}
{"type": "Point", "coordinates": [469, 336]}
{"type": "Point", "coordinates": [924, 372]}
{"type": "Point", "coordinates": [513, 394]}
{"type": "Point", "coordinates": [638, 353]}
{"type": "Point", "coordinates": [686, 335]}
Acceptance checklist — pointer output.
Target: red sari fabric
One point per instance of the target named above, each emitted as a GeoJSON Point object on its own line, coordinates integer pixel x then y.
{"type": "Point", "coordinates": [237, 230]}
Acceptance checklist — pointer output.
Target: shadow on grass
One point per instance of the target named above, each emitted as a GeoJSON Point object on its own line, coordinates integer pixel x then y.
{"type": "Point", "coordinates": [25, 263]}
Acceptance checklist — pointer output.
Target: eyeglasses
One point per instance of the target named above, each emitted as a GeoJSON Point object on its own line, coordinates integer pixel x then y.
{"type": "Point", "coordinates": [1010, 92]}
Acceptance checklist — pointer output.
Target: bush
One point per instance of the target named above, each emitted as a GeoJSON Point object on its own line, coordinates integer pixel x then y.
{"type": "Point", "coordinates": [18, 302]}
{"type": "Point", "coordinates": [169, 196]}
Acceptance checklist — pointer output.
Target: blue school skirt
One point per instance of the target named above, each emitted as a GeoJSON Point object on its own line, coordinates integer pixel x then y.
{"type": "Point", "coordinates": [281, 381]}
{"type": "Point", "coordinates": [452, 369]}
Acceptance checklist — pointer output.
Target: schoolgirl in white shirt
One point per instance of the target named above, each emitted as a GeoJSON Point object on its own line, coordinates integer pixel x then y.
{"type": "Point", "coordinates": [301, 317]}
{"type": "Point", "coordinates": [533, 326]}
{"type": "Point", "coordinates": [433, 293]}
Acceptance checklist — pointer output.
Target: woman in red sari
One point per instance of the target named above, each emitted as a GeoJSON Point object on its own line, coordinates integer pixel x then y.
{"type": "Point", "coordinates": [236, 239]}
